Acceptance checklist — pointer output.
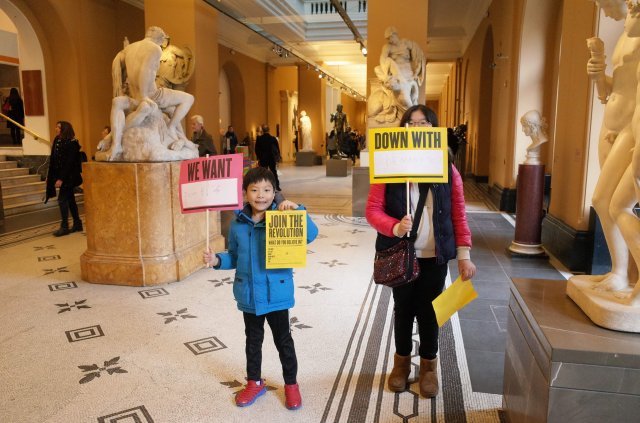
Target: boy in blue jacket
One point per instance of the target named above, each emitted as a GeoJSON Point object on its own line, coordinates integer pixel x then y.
{"type": "Point", "coordinates": [261, 293]}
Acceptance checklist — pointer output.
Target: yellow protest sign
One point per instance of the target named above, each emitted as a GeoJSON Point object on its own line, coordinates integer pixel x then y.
{"type": "Point", "coordinates": [417, 154]}
{"type": "Point", "coordinates": [454, 298]}
{"type": "Point", "coordinates": [286, 239]}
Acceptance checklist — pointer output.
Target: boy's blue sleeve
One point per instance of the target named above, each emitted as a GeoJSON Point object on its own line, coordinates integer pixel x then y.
{"type": "Point", "coordinates": [229, 259]}
{"type": "Point", "coordinates": [312, 229]}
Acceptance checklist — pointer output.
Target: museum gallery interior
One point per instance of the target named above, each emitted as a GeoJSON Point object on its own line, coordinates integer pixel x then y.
{"type": "Point", "coordinates": [158, 159]}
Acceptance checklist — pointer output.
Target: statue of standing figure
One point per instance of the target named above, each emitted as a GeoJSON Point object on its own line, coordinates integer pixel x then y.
{"type": "Point", "coordinates": [305, 132]}
{"type": "Point", "coordinates": [618, 186]}
{"type": "Point", "coordinates": [145, 119]}
{"type": "Point", "coordinates": [400, 74]}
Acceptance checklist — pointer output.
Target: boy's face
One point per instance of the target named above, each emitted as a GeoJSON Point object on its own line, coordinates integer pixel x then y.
{"type": "Point", "coordinates": [260, 195]}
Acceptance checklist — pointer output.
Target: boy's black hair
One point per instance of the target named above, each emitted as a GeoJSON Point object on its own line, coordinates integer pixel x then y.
{"type": "Point", "coordinates": [256, 175]}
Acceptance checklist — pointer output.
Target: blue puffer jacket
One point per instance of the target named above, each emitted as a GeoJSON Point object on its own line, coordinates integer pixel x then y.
{"type": "Point", "coordinates": [258, 290]}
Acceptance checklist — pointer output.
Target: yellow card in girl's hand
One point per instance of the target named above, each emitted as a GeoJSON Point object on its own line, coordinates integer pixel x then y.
{"type": "Point", "coordinates": [454, 298]}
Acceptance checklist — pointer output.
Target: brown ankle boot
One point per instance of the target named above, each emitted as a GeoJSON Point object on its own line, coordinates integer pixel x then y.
{"type": "Point", "coordinates": [429, 377]}
{"type": "Point", "coordinates": [400, 374]}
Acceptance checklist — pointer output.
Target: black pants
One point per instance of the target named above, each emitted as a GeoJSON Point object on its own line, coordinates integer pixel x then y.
{"type": "Point", "coordinates": [16, 135]}
{"type": "Point", "coordinates": [67, 202]}
{"type": "Point", "coordinates": [272, 167]}
{"type": "Point", "coordinates": [413, 301]}
{"type": "Point", "coordinates": [254, 330]}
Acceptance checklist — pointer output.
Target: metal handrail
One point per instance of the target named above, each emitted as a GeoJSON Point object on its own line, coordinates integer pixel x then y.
{"type": "Point", "coordinates": [25, 129]}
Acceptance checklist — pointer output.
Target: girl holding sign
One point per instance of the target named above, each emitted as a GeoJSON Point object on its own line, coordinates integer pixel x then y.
{"type": "Point", "coordinates": [443, 235]}
{"type": "Point", "coordinates": [261, 293]}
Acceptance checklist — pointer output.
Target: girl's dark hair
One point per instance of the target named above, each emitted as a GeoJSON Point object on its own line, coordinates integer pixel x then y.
{"type": "Point", "coordinates": [429, 114]}
{"type": "Point", "coordinates": [66, 130]}
{"type": "Point", "coordinates": [13, 93]}
{"type": "Point", "coordinates": [256, 175]}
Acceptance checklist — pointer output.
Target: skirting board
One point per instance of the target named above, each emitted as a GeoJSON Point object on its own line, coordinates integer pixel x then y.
{"type": "Point", "coordinates": [573, 248]}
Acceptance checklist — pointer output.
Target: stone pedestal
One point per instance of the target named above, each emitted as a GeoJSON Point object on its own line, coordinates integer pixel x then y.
{"type": "Point", "coordinates": [136, 234]}
{"type": "Point", "coordinates": [529, 211]}
{"type": "Point", "coordinates": [305, 158]}
{"type": "Point", "coordinates": [336, 167]}
{"type": "Point", "coordinates": [560, 367]}
{"type": "Point", "coordinates": [359, 190]}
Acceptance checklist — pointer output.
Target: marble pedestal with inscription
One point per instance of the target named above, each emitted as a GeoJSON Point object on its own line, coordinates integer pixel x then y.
{"type": "Point", "coordinates": [560, 367]}
{"type": "Point", "coordinates": [136, 233]}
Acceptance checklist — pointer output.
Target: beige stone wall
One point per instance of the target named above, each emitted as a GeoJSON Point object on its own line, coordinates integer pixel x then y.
{"type": "Point", "coordinates": [573, 114]}
{"type": "Point", "coordinates": [311, 98]}
{"type": "Point", "coordinates": [248, 89]}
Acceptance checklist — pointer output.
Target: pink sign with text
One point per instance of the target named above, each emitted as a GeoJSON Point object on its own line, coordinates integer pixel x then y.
{"type": "Point", "coordinates": [211, 183]}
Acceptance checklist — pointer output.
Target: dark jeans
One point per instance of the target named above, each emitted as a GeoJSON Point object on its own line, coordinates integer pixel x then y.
{"type": "Point", "coordinates": [67, 202]}
{"type": "Point", "coordinates": [272, 167]}
{"type": "Point", "coordinates": [16, 135]}
{"type": "Point", "coordinates": [413, 301]}
{"type": "Point", "coordinates": [254, 330]}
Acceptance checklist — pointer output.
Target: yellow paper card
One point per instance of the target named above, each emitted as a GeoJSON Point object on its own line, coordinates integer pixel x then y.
{"type": "Point", "coordinates": [286, 239]}
{"type": "Point", "coordinates": [454, 298]}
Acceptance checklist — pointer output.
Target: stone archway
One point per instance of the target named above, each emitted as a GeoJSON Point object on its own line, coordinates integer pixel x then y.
{"type": "Point", "coordinates": [237, 96]}
{"type": "Point", "coordinates": [31, 57]}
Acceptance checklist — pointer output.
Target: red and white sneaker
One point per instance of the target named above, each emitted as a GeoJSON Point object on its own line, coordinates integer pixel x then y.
{"type": "Point", "coordinates": [293, 400]}
{"type": "Point", "coordinates": [250, 393]}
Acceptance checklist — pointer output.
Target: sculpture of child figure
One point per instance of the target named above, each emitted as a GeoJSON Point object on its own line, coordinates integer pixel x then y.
{"type": "Point", "coordinates": [534, 126]}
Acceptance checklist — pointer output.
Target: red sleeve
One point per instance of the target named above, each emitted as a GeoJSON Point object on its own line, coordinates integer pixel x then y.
{"type": "Point", "coordinates": [458, 214]}
{"type": "Point", "coordinates": [375, 213]}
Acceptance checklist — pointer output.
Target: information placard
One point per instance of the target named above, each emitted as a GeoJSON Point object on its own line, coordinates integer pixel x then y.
{"type": "Point", "coordinates": [417, 154]}
{"type": "Point", "coordinates": [286, 239]}
{"type": "Point", "coordinates": [211, 183]}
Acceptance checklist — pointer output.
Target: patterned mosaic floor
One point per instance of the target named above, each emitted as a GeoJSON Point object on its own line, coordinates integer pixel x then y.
{"type": "Point", "coordinates": [77, 352]}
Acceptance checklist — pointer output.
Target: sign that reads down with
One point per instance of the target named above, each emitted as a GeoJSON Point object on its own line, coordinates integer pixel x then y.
{"type": "Point", "coordinates": [211, 183]}
{"type": "Point", "coordinates": [408, 154]}
{"type": "Point", "coordinates": [286, 239]}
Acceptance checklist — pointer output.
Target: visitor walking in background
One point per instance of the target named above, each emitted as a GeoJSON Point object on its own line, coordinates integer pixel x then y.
{"type": "Point", "coordinates": [64, 174]}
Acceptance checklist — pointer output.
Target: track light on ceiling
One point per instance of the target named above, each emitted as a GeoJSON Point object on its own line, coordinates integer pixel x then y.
{"type": "Point", "coordinates": [363, 49]}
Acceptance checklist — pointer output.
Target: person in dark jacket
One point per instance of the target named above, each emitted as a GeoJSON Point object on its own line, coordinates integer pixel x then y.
{"type": "Point", "coordinates": [261, 293]}
{"type": "Point", "coordinates": [16, 113]}
{"type": "Point", "coordinates": [442, 235]}
{"type": "Point", "coordinates": [268, 153]}
{"type": "Point", "coordinates": [65, 169]}
{"type": "Point", "coordinates": [230, 140]}
{"type": "Point", "coordinates": [202, 138]}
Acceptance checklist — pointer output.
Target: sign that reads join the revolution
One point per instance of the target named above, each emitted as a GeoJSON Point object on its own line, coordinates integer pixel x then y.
{"type": "Point", "coordinates": [286, 239]}
{"type": "Point", "coordinates": [408, 154]}
{"type": "Point", "coordinates": [211, 183]}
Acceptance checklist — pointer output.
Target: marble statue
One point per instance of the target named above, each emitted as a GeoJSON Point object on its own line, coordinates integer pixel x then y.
{"type": "Point", "coordinates": [305, 131]}
{"type": "Point", "coordinates": [609, 299]}
{"type": "Point", "coordinates": [400, 75]}
{"type": "Point", "coordinates": [534, 126]}
{"type": "Point", "coordinates": [140, 107]}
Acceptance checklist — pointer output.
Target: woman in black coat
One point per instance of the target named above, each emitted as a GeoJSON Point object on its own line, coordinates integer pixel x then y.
{"type": "Point", "coordinates": [64, 173]}
{"type": "Point", "coordinates": [16, 113]}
